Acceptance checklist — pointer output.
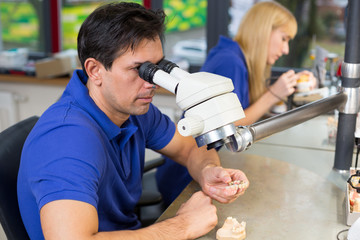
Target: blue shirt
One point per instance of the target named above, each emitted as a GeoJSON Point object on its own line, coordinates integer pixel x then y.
{"type": "Point", "coordinates": [225, 59]}
{"type": "Point", "coordinates": [76, 152]}
{"type": "Point", "coordinates": [228, 60]}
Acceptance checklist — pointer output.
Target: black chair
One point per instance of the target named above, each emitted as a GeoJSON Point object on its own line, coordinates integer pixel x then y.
{"type": "Point", "coordinates": [11, 143]}
{"type": "Point", "coordinates": [12, 140]}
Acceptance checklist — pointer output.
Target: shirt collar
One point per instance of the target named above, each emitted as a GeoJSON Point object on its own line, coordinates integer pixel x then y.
{"type": "Point", "coordinates": [80, 93]}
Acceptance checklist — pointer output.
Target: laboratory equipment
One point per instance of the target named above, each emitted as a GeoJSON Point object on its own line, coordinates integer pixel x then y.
{"type": "Point", "coordinates": [210, 106]}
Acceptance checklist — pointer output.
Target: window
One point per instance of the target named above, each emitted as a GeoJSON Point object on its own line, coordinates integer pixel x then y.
{"type": "Point", "coordinates": [182, 15]}
{"type": "Point", "coordinates": [19, 25]}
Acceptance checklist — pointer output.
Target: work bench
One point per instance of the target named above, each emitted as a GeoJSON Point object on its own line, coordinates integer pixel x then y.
{"type": "Point", "coordinates": [294, 191]}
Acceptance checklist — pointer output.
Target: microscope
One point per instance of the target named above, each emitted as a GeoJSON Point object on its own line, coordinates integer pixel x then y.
{"type": "Point", "coordinates": [211, 108]}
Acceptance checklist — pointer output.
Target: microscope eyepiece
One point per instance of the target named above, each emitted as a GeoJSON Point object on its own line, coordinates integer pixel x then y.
{"type": "Point", "coordinates": [166, 65]}
{"type": "Point", "coordinates": [147, 71]}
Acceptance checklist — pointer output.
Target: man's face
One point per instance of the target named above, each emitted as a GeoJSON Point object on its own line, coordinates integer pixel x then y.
{"type": "Point", "coordinates": [123, 92]}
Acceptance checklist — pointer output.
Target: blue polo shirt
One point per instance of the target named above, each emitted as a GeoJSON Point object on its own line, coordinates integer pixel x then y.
{"type": "Point", "coordinates": [228, 60]}
{"type": "Point", "coordinates": [76, 152]}
{"type": "Point", "coordinates": [225, 59]}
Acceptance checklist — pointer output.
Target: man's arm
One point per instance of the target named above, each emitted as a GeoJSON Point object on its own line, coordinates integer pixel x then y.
{"type": "Point", "coordinates": [70, 219]}
{"type": "Point", "coordinates": [258, 109]}
{"type": "Point", "coordinates": [204, 167]}
{"type": "Point", "coordinates": [185, 151]}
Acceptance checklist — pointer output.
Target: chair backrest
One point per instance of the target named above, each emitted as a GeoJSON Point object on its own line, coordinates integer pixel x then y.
{"type": "Point", "coordinates": [11, 143]}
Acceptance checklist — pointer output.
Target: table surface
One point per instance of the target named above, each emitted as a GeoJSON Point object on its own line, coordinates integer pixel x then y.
{"type": "Point", "coordinates": [284, 201]}
{"type": "Point", "coordinates": [305, 145]}
{"type": "Point", "coordinates": [312, 134]}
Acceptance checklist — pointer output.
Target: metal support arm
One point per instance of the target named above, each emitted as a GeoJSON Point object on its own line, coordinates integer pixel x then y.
{"type": "Point", "coordinates": [257, 131]}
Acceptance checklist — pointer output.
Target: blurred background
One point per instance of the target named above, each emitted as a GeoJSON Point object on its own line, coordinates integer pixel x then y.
{"type": "Point", "coordinates": [29, 23]}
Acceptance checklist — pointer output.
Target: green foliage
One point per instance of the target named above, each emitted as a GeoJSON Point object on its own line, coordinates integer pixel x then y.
{"type": "Point", "coordinates": [307, 27]}
{"type": "Point", "coordinates": [329, 19]}
{"type": "Point", "coordinates": [20, 22]}
{"type": "Point", "coordinates": [311, 26]}
{"type": "Point", "coordinates": [184, 15]}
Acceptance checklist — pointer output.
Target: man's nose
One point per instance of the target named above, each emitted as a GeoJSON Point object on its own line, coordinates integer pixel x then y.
{"type": "Point", "coordinates": [149, 85]}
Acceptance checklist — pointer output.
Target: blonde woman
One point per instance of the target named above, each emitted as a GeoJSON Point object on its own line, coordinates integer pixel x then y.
{"type": "Point", "coordinates": [263, 37]}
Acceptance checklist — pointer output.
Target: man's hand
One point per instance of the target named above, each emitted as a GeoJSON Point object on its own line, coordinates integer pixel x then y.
{"type": "Point", "coordinates": [71, 219]}
{"type": "Point", "coordinates": [217, 183]}
{"type": "Point", "coordinates": [198, 215]}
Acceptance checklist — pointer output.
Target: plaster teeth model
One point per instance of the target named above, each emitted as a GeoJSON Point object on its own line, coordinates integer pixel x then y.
{"type": "Point", "coordinates": [231, 230]}
{"type": "Point", "coordinates": [239, 184]}
{"type": "Point", "coordinates": [303, 84]}
{"type": "Point", "coordinates": [354, 195]}
{"type": "Point", "coordinates": [354, 199]}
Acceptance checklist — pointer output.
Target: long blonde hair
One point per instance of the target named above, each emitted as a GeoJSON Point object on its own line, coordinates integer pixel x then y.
{"type": "Point", "coordinates": [253, 37]}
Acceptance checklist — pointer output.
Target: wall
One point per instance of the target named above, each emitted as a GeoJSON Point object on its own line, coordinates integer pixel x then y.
{"type": "Point", "coordinates": [33, 99]}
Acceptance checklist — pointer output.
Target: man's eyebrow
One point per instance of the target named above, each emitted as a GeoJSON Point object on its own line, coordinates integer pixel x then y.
{"type": "Point", "coordinates": [161, 59]}
{"type": "Point", "coordinates": [139, 63]}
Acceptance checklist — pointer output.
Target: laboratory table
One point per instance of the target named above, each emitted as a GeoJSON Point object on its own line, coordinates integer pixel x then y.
{"type": "Point", "coordinates": [283, 201]}
{"type": "Point", "coordinates": [311, 134]}
{"type": "Point", "coordinates": [306, 145]}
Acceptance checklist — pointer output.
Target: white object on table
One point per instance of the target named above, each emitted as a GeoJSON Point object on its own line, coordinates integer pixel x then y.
{"type": "Point", "coordinates": [354, 231]}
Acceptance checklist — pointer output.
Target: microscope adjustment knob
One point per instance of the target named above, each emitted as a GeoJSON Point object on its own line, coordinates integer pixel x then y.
{"type": "Point", "coordinates": [190, 126]}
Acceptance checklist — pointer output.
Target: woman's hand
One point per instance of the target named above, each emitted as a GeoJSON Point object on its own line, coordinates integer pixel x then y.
{"type": "Point", "coordinates": [284, 85]}
{"type": "Point", "coordinates": [311, 78]}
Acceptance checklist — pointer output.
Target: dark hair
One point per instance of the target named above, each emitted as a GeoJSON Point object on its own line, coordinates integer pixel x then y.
{"type": "Point", "coordinates": [113, 28]}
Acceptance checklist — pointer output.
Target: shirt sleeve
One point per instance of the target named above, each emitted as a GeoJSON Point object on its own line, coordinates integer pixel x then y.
{"type": "Point", "coordinates": [67, 164]}
{"type": "Point", "coordinates": [160, 129]}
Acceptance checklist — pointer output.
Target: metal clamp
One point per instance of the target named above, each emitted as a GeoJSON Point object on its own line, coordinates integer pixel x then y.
{"type": "Point", "coordinates": [241, 141]}
{"type": "Point", "coordinates": [352, 105]}
{"type": "Point", "coordinates": [215, 135]}
{"type": "Point", "coordinates": [350, 70]}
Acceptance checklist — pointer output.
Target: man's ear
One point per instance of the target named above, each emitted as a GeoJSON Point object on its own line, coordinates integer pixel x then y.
{"type": "Point", "coordinates": [93, 69]}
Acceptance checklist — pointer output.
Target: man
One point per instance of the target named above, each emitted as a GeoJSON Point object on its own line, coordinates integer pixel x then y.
{"type": "Point", "coordinates": [81, 166]}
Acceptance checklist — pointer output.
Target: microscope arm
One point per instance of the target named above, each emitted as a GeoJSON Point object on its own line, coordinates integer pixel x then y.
{"type": "Point", "coordinates": [211, 109]}
{"type": "Point", "coordinates": [257, 131]}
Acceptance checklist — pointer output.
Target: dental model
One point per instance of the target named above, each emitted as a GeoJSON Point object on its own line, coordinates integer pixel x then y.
{"type": "Point", "coordinates": [356, 206]}
{"type": "Point", "coordinates": [354, 195]}
{"type": "Point", "coordinates": [303, 84]}
{"type": "Point", "coordinates": [238, 184]}
{"type": "Point", "coordinates": [231, 230]}
{"type": "Point", "coordinates": [354, 199]}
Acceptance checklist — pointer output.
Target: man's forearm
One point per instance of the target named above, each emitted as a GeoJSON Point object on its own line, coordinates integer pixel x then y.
{"type": "Point", "coordinates": [201, 158]}
{"type": "Point", "coordinates": [172, 228]}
